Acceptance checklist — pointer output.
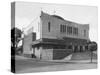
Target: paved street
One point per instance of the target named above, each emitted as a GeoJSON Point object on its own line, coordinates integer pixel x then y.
{"type": "Point", "coordinates": [30, 65]}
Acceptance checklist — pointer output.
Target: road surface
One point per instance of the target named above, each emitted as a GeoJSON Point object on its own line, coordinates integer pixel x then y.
{"type": "Point", "coordinates": [30, 65]}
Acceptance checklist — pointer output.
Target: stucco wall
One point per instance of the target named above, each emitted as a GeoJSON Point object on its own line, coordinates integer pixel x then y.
{"type": "Point", "coordinates": [47, 54]}
{"type": "Point", "coordinates": [55, 28]}
{"type": "Point", "coordinates": [27, 44]}
{"type": "Point", "coordinates": [38, 51]}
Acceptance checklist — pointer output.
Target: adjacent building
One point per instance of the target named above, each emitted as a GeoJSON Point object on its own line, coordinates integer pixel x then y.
{"type": "Point", "coordinates": [57, 38]}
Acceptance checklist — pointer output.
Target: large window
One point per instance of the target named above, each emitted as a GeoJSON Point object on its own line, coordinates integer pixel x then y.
{"type": "Point", "coordinates": [69, 30]}
{"type": "Point", "coordinates": [84, 33]}
{"type": "Point", "coordinates": [62, 28]}
{"type": "Point", "coordinates": [75, 31]}
{"type": "Point", "coordinates": [49, 26]}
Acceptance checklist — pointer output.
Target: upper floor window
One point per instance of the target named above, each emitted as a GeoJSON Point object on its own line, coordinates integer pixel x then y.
{"type": "Point", "coordinates": [75, 31]}
{"type": "Point", "coordinates": [60, 28]}
{"type": "Point", "coordinates": [63, 28]}
{"type": "Point", "coordinates": [69, 30]}
{"type": "Point", "coordinates": [84, 33]}
{"type": "Point", "coordinates": [49, 25]}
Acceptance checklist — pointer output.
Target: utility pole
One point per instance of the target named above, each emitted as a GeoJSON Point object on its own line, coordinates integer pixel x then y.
{"type": "Point", "coordinates": [89, 47]}
{"type": "Point", "coordinates": [91, 56]}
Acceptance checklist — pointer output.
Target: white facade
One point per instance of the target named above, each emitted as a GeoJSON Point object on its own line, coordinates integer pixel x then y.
{"type": "Point", "coordinates": [41, 28]}
{"type": "Point", "coordinates": [55, 27]}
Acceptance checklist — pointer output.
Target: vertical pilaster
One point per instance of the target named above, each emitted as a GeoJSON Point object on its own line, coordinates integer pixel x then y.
{"type": "Point", "coordinates": [83, 48]}
{"type": "Point", "coordinates": [41, 52]}
{"type": "Point", "coordinates": [78, 48]}
{"type": "Point", "coordinates": [73, 48]}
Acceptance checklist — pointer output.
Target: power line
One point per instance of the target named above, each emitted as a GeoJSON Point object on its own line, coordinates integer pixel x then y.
{"type": "Point", "coordinates": [30, 25]}
{"type": "Point", "coordinates": [32, 21]}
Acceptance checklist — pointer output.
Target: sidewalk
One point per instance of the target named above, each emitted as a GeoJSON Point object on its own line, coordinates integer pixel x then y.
{"type": "Point", "coordinates": [70, 61]}
{"type": "Point", "coordinates": [83, 61]}
{"type": "Point", "coordinates": [17, 57]}
{"type": "Point", "coordinates": [56, 61]}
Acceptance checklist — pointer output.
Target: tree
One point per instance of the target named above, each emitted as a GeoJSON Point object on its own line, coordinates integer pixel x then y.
{"type": "Point", "coordinates": [92, 46]}
{"type": "Point", "coordinates": [15, 37]}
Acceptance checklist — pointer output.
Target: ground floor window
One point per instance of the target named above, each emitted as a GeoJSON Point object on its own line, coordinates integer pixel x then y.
{"type": "Point", "coordinates": [78, 48]}
{"type": "Point", "coordinates": [70, 47]}
{"type": "Point", "coordinates": [81, 48]}
{"type": "Point", "coordinates": [86, 47]}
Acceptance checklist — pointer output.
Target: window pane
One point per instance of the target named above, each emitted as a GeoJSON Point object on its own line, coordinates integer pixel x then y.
{"type": "Point", "coordinates": [49, 26]}
{"type": "Point", "coordinates": [84, 33]}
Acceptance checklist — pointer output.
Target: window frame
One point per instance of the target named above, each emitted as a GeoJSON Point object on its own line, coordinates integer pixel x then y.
{"type": "Point", "coordinates": [49, 26]}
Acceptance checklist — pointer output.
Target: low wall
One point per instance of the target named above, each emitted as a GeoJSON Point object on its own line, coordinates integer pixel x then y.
{"type": "Point", "coordinates": [47, 54]}
{"type": "Point", "coordinates": [61, 53]}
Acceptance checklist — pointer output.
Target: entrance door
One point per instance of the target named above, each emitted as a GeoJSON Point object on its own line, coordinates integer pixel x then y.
{"type": "Point", "coordinates": [75, 48]}
{"type": "Point", "coordinates": [81, 49]}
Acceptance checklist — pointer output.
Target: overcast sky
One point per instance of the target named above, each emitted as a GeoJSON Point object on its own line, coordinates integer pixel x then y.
{"type": "Point", "coordinates": [26, 12]}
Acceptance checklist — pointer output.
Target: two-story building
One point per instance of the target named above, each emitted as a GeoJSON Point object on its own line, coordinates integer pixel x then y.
{"type": "Point", "coordinates": [58, 37]}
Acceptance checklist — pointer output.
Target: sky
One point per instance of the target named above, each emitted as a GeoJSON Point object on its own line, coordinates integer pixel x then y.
{"type": "Point", "coordinates": [28, 12]}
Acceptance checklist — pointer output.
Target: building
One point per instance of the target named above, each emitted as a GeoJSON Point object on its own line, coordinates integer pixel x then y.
{"type": "Point", "coordinates": [57, 37]}
{"type": "Point", "coordinates": [27, 41]}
